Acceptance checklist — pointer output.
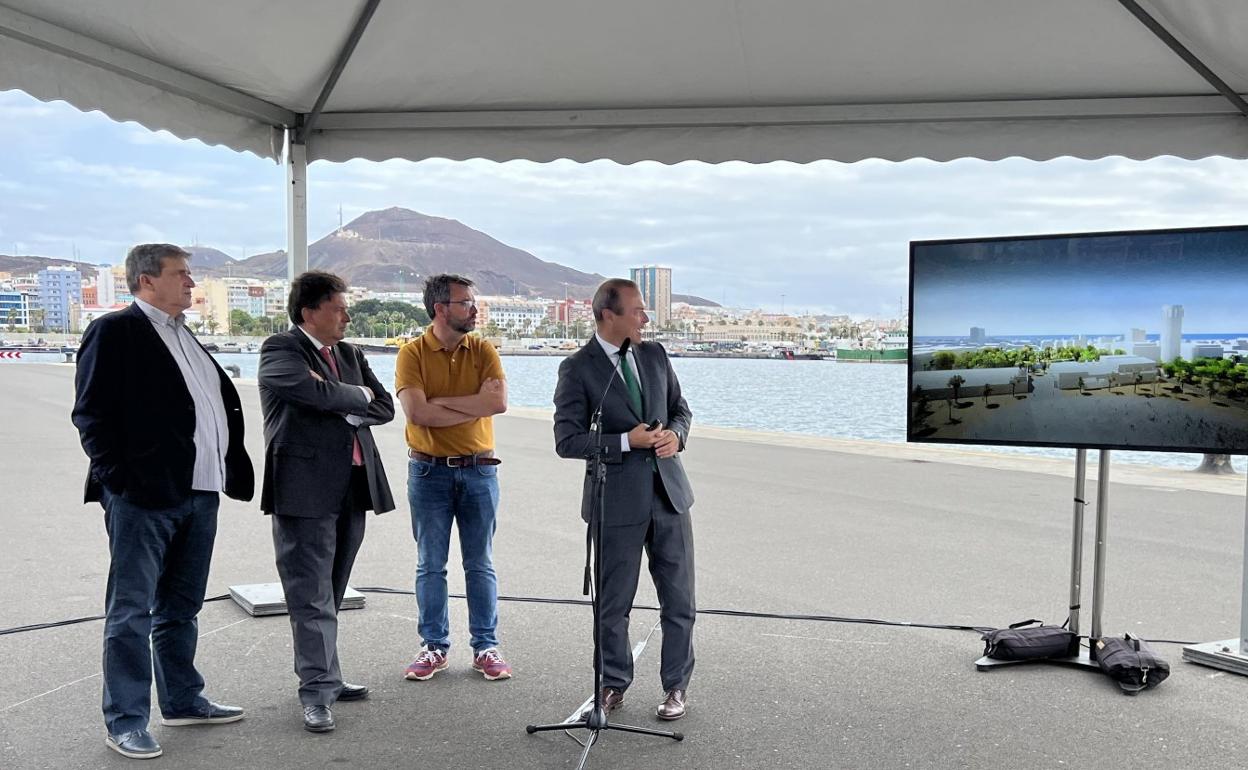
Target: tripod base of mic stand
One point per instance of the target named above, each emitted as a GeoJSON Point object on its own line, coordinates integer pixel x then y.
{"type": "Point", "coordinates": [595, 722]}
{"type": "Point", "coordinates": [605, 725]}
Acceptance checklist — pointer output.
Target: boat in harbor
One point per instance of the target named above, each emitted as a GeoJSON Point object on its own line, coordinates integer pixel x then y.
{"type": "Point", "coordinates": [889, 348]}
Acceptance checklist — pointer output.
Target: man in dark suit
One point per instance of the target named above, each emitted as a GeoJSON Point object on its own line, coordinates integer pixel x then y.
{"type": "Point", "coordinates": [163, 428]}
{"type": "Point", "coordinates": [648, 494]}
{"type": "Point", "coordinates": [321, 473]}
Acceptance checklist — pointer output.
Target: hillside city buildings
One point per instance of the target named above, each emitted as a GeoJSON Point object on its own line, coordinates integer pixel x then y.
{"type": "Point", "coordinates": [62, 299]}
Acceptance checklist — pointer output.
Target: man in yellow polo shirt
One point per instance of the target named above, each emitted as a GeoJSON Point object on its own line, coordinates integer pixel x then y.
{"type": "Point", "coordinates": [450, 384]}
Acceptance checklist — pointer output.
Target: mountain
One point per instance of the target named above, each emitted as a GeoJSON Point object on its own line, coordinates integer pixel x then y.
{"type": "Point", "coordinates": [19, 265]}
{"type": "Point", "coordinates": [396, 249]}
{"type": "Point", "coordinates": [205, 258]}
{"type": "Point", "coordinates": [694, 300]}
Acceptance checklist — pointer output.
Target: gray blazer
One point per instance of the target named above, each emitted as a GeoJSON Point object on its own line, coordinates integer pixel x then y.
{"type": "Point", "coordinates": [307, 443]}
{"type": "Point", "coordinates": [583, 377]}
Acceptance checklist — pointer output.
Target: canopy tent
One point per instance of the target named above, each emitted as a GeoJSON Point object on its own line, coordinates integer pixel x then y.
{"type": "Point", "coordinates": [712, 80]}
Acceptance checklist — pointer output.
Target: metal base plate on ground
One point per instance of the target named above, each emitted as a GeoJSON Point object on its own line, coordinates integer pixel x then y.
{"type": "Point", "coordinates": [259, 599]}
{"type": "Point", "coordinates": [1224, 655]}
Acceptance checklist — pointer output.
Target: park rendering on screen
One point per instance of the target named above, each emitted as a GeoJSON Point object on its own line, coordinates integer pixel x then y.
{"type": "Point", "coordinates": [1117, 340]}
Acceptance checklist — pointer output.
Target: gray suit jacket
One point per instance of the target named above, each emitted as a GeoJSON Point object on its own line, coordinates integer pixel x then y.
{"type": "Point", "coordinates": [583, 377]}
{"type": "Point", "coordinates": [307, 443]}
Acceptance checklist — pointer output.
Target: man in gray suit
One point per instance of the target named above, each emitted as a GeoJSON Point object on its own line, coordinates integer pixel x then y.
{"type": "Point", "coordinates": [648, 494]}
{"type": "Point", "coordinates": [321, 473]}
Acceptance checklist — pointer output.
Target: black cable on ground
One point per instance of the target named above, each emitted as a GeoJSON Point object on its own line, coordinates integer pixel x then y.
{"type": "Point", "coordinates": [73, 621]}
{"type": "Point", "coordinates": [586, 603]}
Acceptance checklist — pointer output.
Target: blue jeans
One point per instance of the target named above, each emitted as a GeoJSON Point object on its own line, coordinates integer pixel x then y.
{"type": "Point", "coordinates": [438, 496]}
{"type": "Point", "coordinates": [156, 581]}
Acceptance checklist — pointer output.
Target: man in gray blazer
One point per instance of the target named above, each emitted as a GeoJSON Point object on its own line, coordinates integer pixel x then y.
{"type": "Point", "coordinates": [648, 494]}
{"type": "Point", "coordinates": [321, 473]}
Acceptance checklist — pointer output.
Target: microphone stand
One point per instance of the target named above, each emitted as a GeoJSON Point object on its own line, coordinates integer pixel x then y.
{"type": "Point", "coordinates": [595, 719]}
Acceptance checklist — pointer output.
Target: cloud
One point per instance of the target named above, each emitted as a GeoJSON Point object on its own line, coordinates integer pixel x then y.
{"type": "Point", "coordinates": [145, 233]}
{"type": "Point", "coordinates": [205, 202]}
{"type": "Point", "coordinates": [124, 176]}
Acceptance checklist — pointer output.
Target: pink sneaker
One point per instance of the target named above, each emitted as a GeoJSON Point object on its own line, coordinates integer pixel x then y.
{"type": "Point", "coordinates": [491, 664]}
{"type": "Point", "coordinates": [430, 661]}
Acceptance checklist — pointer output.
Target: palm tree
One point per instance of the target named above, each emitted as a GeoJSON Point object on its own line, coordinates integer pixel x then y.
{"type": "Point", "coordinates": [987, 393]}
{"type": "Point", "coordinates": [1081, 386]}
{"type": "Point", "coordinates": [956, 382]}
{"type": "Point", "coordinates": [1139, 377]}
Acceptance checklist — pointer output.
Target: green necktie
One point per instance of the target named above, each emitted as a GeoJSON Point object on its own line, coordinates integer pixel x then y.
{"type": "Point", "coordinates": [630, 380]}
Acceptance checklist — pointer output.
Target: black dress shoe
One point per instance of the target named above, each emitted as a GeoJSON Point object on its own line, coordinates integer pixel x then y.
{"type": "Point", "coordinates": [318, 719]}
{"type": "Point", "coordinates": [212, 714]}
{"type": "Point", "coordinates": [353, 692]}
{"type": "Point", "coordinates": [137, 744]}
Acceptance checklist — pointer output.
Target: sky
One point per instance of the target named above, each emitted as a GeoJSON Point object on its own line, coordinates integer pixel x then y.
{"type": "Point", "coordinates": [1083, 285]}
{"type": "Point", "coordinates": [823, 237]}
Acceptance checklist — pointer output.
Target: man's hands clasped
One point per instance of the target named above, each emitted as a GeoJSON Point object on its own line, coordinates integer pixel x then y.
{"type": "Point", "coordinates": [664, 442]}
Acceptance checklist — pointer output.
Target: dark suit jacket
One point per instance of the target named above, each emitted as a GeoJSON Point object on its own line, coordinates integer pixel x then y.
{"type": "Point", "coordinates": [307, 443]}
{"type": "Point", "coordinates": [583, 377]}
{"type": "Point", "coordinates": [136, 417]}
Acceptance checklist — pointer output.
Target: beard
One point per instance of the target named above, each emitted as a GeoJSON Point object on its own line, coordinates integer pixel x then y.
{"type": "Point", "coordinates": [464, 326]}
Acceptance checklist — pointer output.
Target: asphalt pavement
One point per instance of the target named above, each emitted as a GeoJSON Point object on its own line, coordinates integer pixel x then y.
{"type": "Point", "coordinates": [782, 525]}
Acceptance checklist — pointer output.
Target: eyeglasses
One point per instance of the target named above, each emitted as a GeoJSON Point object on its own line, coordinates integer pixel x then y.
{"type": "Point", "coordinates": [464, 303]}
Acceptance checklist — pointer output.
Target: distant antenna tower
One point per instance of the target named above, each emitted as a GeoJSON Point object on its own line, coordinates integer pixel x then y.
{"type": "Point", "coordinates": [339, 217]}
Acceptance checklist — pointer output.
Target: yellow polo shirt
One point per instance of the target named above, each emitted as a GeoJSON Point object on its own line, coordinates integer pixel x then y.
{"type": "Point", "coordinates": [426, 365]}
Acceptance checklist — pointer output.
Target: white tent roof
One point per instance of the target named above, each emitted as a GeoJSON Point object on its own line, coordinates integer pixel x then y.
{"type": "Point", "coordinates": [713, 80]}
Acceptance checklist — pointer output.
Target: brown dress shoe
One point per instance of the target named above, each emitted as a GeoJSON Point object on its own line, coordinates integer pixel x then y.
{"type": "Point", "coordinates": [612, 698]}
{"type": "Point", "coordinates": [673, 705]}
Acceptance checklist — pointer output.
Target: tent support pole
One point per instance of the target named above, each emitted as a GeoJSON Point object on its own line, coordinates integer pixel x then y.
{"type": "Point", "coordinates": [296, 206]}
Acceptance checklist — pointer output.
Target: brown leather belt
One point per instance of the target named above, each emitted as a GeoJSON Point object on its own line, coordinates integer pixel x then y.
{"type": "Point", "coordinates": [457, 461]}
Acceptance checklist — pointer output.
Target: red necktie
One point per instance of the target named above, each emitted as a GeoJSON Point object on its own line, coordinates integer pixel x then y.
{"type": "Point", "coordinates": [357, 454]}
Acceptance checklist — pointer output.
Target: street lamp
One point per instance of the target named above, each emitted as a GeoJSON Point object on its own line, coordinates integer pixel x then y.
{"type": "Point", "coordinates": [566, 312]}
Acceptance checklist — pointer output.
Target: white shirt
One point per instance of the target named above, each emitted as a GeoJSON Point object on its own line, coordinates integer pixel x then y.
{"type": "Point", "coordinates": [613, 355]}
{"type": "Point", "coordinates": [354, 419]}
{"type": "Point", "coordinates": [203, 380]}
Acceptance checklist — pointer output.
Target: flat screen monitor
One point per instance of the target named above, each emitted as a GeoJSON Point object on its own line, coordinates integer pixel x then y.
{"type": "Point", "coordinates": [1114, 340]}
